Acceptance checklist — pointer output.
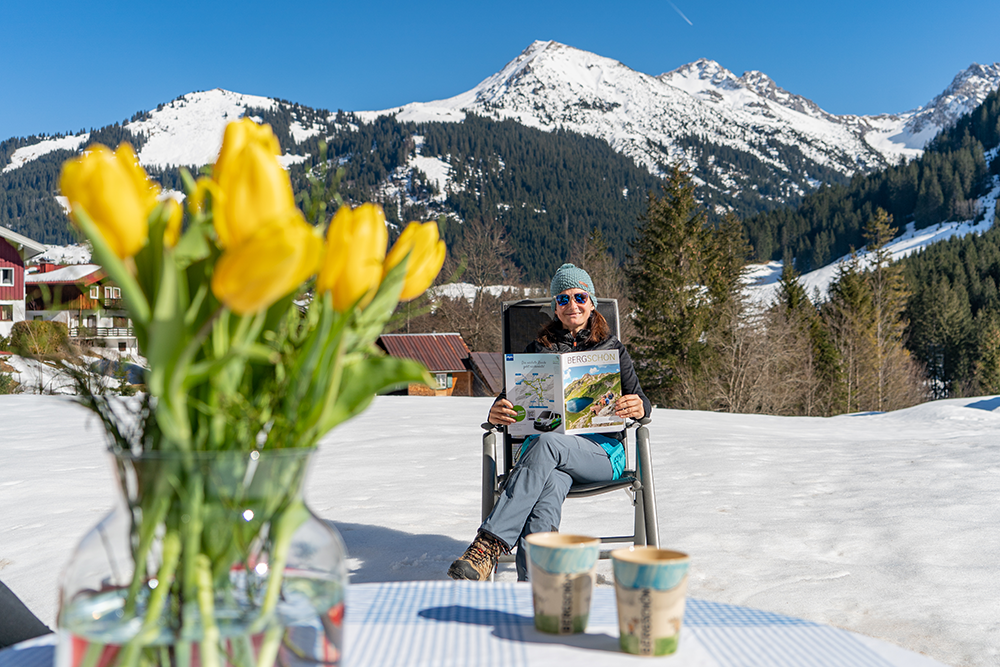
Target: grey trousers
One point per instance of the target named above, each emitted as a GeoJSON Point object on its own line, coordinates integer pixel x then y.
{"type": "Point", "coordinates": [538, 485]}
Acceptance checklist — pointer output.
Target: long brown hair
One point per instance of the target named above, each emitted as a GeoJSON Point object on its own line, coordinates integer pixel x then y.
{"type": "Point", "coordinates": [598, 326]}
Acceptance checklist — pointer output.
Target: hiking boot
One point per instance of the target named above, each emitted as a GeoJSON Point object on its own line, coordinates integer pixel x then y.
{"type": "Point", "coordinates": [479, 560]}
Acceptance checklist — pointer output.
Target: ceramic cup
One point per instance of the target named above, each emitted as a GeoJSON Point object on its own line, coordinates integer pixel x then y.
{"type": "Point", "coordinates": [650, 585]}
{"type": "Point", "coordinates": [561, 568]}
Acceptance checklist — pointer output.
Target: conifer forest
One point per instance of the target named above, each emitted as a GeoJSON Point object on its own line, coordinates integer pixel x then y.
{"type": "Point", "coordinates": [887, 335]}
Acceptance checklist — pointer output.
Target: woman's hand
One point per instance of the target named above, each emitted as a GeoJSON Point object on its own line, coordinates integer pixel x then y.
{"type": "Point", "coordinates": [629, 407]}
{"type": "Point", "coordinates": [502, 413]}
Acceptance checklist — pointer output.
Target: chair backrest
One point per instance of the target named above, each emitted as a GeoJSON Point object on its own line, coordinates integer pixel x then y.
{"type": "Point", "coordinates": [522, 320]}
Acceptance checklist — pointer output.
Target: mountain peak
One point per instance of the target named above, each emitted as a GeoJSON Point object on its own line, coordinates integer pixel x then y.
{"type": "Point", "coordinates": [764, 86]}
{"type": "Point", "coordinates": [699, 74]}
{"type": "Point", "coordinates": [965, 92]}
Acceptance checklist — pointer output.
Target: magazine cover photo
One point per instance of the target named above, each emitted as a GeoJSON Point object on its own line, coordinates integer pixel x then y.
{"type": "Point", "coordinates": [591, 392]}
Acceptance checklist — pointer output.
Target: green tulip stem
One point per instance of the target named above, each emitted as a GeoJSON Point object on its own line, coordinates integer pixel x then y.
{"type": "Point", "coordinates": [206, 604]}
{"type": "Point", "coordinates": [147, 533]}
{"type": "Point", "coordinates": [92, 654]}
{"type": "Point", "coordinates": [149, 630]}
{"type": "Point", "coordinates": [284, 527]}
{"type": "Point", "coordinates": [135, 298]}
{"type": "Point", "coordinates": [269, 647]}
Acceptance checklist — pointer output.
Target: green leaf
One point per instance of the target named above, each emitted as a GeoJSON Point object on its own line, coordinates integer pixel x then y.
{"type": "Point", "coordinates": [362, 378]}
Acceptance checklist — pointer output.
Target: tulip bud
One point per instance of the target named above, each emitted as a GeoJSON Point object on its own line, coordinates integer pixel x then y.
{"type": "Point", "coordinates": [355, 250]}
{"type": "Point", "coordinates": [253, 189]}
{"type": "Point", "coordinates": [426, 253]}
{"type": "Point", "coordinates": [115, 192]}
{"type": "Point", "coordinates": [175, 216]}
{"type": "Point", "coordinates": [269, 265]}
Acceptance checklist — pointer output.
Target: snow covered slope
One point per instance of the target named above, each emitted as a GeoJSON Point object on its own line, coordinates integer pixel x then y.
{"type": "Point", "coordinates": [184, 132]}
{"type": "Point", "coordinates": [551, 85]}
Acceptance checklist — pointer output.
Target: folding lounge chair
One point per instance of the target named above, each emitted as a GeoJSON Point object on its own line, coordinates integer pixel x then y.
{"type": "Point", "coordinates": [521, 321]}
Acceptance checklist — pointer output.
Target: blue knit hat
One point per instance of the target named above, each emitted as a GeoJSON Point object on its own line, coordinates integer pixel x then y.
{"type": "Point", "coordinates": [569, 276]}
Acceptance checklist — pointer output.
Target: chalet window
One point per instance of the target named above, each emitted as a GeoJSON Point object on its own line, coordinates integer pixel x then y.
{"type": "Point", "coordinates": [95, 292]}
{"type": "Point", "coordinates": [6, 277]}
{"type": "Point", "coordinates": [444, 380]}
{"type": "Point", "coordinates": [6, 313]}
{"type": "Point", "coordinates": [120, 322]}
{"type": "Point", "coordinates": [112, 292]}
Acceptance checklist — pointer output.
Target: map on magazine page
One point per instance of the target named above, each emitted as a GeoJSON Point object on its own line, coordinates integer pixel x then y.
{"type": "Point", "coordinates": [565, 393]}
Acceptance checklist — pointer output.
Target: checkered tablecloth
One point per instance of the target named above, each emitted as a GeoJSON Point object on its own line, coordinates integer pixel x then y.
{"type": "Point", "coordinates": [460, 624]}
{"type": "Point", "coordinates": [467, 624]}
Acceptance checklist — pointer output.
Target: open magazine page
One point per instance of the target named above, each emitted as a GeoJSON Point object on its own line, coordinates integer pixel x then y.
{"type": "Point", "coordinates": [592, 383]}
{"type": "Point", "coordinates": [533, 388]}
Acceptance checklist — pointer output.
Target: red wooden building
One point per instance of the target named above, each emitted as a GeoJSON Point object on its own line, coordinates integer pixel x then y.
{"type": "Point", "coordinates": [15, 250]}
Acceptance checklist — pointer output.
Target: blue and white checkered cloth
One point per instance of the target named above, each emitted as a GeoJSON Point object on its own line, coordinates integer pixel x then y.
{"type": "Point", "coordinates": [444, 623]}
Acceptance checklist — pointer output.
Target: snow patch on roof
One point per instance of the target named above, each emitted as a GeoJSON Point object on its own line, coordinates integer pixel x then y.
{"type": "Point", "coordinates": [66, 274]}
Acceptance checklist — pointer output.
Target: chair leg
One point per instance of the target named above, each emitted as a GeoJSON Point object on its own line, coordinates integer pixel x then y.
{"type": "Point", "coordinates": [645, 466]}
{"type": "Point", "coordinates": [489, 473]}
{"type": "Point", "coordinates": [640, 520]}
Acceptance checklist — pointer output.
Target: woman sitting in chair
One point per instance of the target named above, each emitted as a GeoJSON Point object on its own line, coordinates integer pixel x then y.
{"type": "Point", "coordinates": [538, 484]}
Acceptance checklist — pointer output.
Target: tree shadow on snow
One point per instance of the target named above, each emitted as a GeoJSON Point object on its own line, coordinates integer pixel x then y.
{"type": "Point", "coordinates": [378, 553]}
{"type": "Point", "coordinates": [989, 404]}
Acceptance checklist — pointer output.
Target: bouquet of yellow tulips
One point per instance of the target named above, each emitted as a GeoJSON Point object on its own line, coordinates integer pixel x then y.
{"type": "Point", "coordinates": [259, 329]}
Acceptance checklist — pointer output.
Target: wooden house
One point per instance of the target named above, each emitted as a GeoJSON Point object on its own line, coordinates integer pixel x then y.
{"type": "Point", "coordinates": [445, 355]}
{"type": "Point", "coordinates": [85, 300]}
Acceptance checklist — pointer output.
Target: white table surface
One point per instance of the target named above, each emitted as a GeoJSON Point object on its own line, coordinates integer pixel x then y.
{"type": "Point", "coordinates": [462, 624]}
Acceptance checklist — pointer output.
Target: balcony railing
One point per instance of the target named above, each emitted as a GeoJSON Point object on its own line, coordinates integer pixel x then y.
{"type": "Point", "coordinates": [114, 304]}
{"type": "Point", "coordinates": [101, 332]}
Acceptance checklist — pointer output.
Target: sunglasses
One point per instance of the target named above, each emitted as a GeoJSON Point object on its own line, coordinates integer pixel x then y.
{"type": "Point", "coordinates": [580, 297]}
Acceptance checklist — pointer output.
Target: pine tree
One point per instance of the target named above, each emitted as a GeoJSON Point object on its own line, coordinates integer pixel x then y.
{"type": "Point", "coordinates": [888, 300]}
{"type": "Point", "coordinates": [850, 319]}
{"type": "Point", "coordinates": [666, 286]}
{"type": "Point", "coordinates": [812, 366]}
{"type": "Point", "coordinates": [684, 275]}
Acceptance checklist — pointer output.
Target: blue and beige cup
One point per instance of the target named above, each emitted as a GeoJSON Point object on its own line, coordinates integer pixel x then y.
{"type": "Point", "coordinates": [650, 587]}
{"type": "Point", "coordinates": [561, 569]}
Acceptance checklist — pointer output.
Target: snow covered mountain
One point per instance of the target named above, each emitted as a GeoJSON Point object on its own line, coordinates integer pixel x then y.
{"type": "Point", "coordinates": [683, 114]}
{"type": "Point", "coordinates": [184, 132]}
{"type": "Point", "coordinates": [750, 144]}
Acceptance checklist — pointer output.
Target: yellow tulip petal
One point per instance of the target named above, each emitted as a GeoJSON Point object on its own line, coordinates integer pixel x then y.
{"type": "Point", "coordinates": [426, 253]}
{"type": "Point", "coordinates": [175, 216]}
{"type": "Point", "coordinates": [253, 187]}
{"type": "Point", "coordinates": [115, 193]}
{"type": "Point", "coordinates": [271, 264]}
{"type": "Point", "coordinates": [356, 245]}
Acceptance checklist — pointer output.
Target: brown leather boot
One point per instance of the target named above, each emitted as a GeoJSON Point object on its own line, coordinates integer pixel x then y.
{"type": "Point", "coordinates": [479, 560]}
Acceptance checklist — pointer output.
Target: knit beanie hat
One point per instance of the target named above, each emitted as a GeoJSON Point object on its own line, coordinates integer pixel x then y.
{"type": "Point", "coordinates": [569, 276]}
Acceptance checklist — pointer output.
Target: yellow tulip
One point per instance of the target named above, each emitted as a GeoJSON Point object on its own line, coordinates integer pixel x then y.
{"type": "Point", "coordinates": [355, 250]}
{"type": "Point", "coordinates": [175, 216]}
{"type": "Point", "coordinates": [269, 265]}
{"type": "Point", "coordinates": [254, 189]}
{"type": "Point", "coordinates": [426, 252]}
{"type": "Point", "coordinates": [115, 192]}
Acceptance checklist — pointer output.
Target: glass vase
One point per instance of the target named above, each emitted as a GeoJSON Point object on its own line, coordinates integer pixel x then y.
{"type": "Point", "coordinates": [209, 559]}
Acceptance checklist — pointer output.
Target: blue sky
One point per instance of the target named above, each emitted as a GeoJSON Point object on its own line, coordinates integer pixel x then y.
{"type": "Point", "coordinates": [70, 65]}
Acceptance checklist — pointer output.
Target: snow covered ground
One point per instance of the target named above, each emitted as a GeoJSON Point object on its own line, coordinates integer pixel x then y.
{"type": "Point", "coordinates": [883, 524]}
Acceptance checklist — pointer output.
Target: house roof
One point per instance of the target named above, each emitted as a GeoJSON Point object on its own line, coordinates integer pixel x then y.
{"type": "Point", "coordinates": [67, 275]}
{"type": "Point", "coordinates": [440, 352]}
{"type": "Point", "coordinates": [489, 365]}
{"type": "Point", "coordinates": [26, 246]}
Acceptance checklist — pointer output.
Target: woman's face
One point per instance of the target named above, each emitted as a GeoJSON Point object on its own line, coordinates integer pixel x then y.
{"type": "Point", "coordinates": [574, 316]}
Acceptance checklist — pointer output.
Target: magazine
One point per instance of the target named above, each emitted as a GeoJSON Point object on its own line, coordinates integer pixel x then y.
{"type": "Point", "coordinates": [571, 393]}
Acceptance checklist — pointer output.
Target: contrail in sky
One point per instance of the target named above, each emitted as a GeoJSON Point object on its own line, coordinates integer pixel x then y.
{"type": "Point", "coordinates": [679, 12]}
